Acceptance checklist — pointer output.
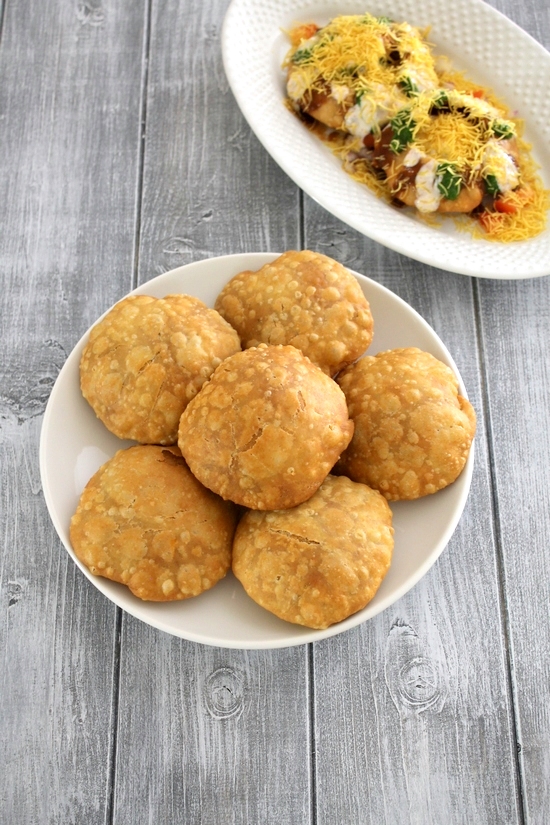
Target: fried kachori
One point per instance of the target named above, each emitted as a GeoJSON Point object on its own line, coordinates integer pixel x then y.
{"type": "Point", "coordinates": [144, 520]}
{"type": "Point", "coordinates": [147, 358]}
{"type": "Point", "coordinates": [413, 431]}
{"type": "Point", "coordinates": [304, 299]}
{"type": "Point", "coordinates": [319, 562]}
{"type": "Point", "coordinates": [266, 429]}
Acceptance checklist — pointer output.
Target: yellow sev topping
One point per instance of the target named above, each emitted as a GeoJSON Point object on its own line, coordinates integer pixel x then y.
{"type": "Point", "coordinates": [362, 55]}
{"type": "Point", "coordinates": [530, 202]}
{"type": "Point", "coordinates": [453, 138]}
{"type": "Point", "coordinates": [356, 50]}
{"type": "Point", "coordinates": [449, 136]}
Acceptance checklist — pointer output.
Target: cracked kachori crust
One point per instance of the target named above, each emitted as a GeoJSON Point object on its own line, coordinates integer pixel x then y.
{"type": "Point", "coordinates": [304, 299]}
{"type": "Point", "coordinates": [267, 428]}
{"type": "Point", "coordinates": [147, 358]}
{"type": "Point", "coordinates": [144, 520]}
{"type": "Point", "coordinates": [321, 561]}
{"type": "Point", "coordinates": [413, 431]}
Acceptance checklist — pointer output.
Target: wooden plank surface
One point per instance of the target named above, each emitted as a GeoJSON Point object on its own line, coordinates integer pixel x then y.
{"type": "Point", "coordinates": [209, 188]}
{"type": "Point", "coordinates": [225, 733]}
{"type": "Point", "coordinates": [211, 735]}
{"type": "Point", "coordinates": [515, 326]}
{"type": "Point", "coordinates": [69, 103]}
{"type": "Point", "coordinates": [124, 155]}
{"type": "Point", "coordinates": [416, 708]}
{"type": "Point", "coordinates": [514, 332]}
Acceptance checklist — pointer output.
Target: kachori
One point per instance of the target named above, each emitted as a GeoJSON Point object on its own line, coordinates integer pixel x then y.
{"type": "Point", "coordinates": [147, 358]}
{"type": "Point", "coordinates": [319, 562]}
{"type": "Point", "coordinates": [304, 299]}
{"type": "Point", "coordinates": [144, 520]}
{"type": "Point", "coordinates": [413, 431]}
{"type": "Point", "coordinates": [266, 429]}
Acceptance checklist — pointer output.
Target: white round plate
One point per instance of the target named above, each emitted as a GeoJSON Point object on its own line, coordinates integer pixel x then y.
{"type": "Point", "coordinates": [74, 444]}
{"type": "Point", "coordinates": [479, 41]}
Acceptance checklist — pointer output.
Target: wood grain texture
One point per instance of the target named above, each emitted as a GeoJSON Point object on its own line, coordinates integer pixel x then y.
{"type": "Point", "coordinates": [56, 682]}
{"type": "Point", "coordinates": [209, 188]}
{"type": "Point", "coordinates": [421, 714]}
{"type": "Point", "coordinates": [225, 733]}
{"type": "Point", "coordinates": [71, 75]}
{"type": "Point", "coordinates": [124, 155]}
{"type": "Point", "coordinates": [515, 325]}
{"type": "Point", "coordinates": [210, 735]}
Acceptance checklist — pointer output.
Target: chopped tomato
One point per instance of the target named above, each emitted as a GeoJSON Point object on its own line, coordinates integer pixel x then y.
{"type": "Point", "coordinates": [303, 32]}
{"type": "Point", "coordinates": [506, 207]}
{"type": "Point", "coordinates": [510, 203]}
{"type": "Point", "coordinates": [477, 93]}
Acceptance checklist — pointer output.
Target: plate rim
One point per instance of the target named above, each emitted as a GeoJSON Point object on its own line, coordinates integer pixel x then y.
{"type": "Point", "coordinates": [307, 634]}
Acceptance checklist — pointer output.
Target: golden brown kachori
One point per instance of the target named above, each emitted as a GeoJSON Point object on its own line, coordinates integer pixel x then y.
{"type": "Point", "coordinates": [319, 562]}
{"type": "Point", "coordinates": [144, 520]}
{"type": "Point", "coordinates": [304, 299]}
{"type": "Point", "coordinates": [147, 358]}
{"type": "Point", "coordinates": [413, 431]}
{"type": "Point", "coordinates": [266, 429]}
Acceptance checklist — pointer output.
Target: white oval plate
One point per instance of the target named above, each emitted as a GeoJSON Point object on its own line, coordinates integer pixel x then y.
{"type": "Point", "coordinates": [475, 37]}
{"type": "Point", "coordinates": [74, 444]}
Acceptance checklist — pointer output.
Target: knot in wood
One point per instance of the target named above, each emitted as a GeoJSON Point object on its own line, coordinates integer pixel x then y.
{"type": "Point", "coordinates": [15, 592]}
{"type": "Point", "coordinates": [90, 12]}
{"type": "Point", "coordinates": [173, 251]}
{"type": "Point", "coordinates": [223, 693]}
{"type": "Point", "coordinates": [418, 682]}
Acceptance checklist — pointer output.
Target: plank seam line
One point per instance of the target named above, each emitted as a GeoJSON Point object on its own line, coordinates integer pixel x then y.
{"type": "Point", "coordinates": [113, 747]}
{"type": "Point", "coordinates": [142, 133]}
{"type": "Point", "coordinates": [301, 220]}
{"type": "Point", "coordinates": [312, 738]}
{"type": "Point", "coordinates": [2, 16]}
{"type": "Point", "coordinates": [501, 575]}
{"type": "Point", "coordinates": [311, 653]}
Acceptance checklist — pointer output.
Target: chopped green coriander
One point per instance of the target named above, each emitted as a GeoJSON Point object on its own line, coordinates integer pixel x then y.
{"type": "Point", "coordinates": [440, 101]}
{"type": "Point", "coordinates": [502, 129]}
{"type": "Point", "coordinates": [408, 85]}
{"type": "Point", "coordinates": [449, 181]}
{"type": "Point", "coordinates": [301, 55]}
{"type": "Point", "coordinates": [402, 126]}
{"type": "Point", "coordinates": [491, 184]}
{"type": "Point", "coordinates": [360, 93]}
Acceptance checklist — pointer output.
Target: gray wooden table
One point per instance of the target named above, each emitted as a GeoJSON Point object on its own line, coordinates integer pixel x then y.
{"type": "Point", "coordinates": [123, 155]}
